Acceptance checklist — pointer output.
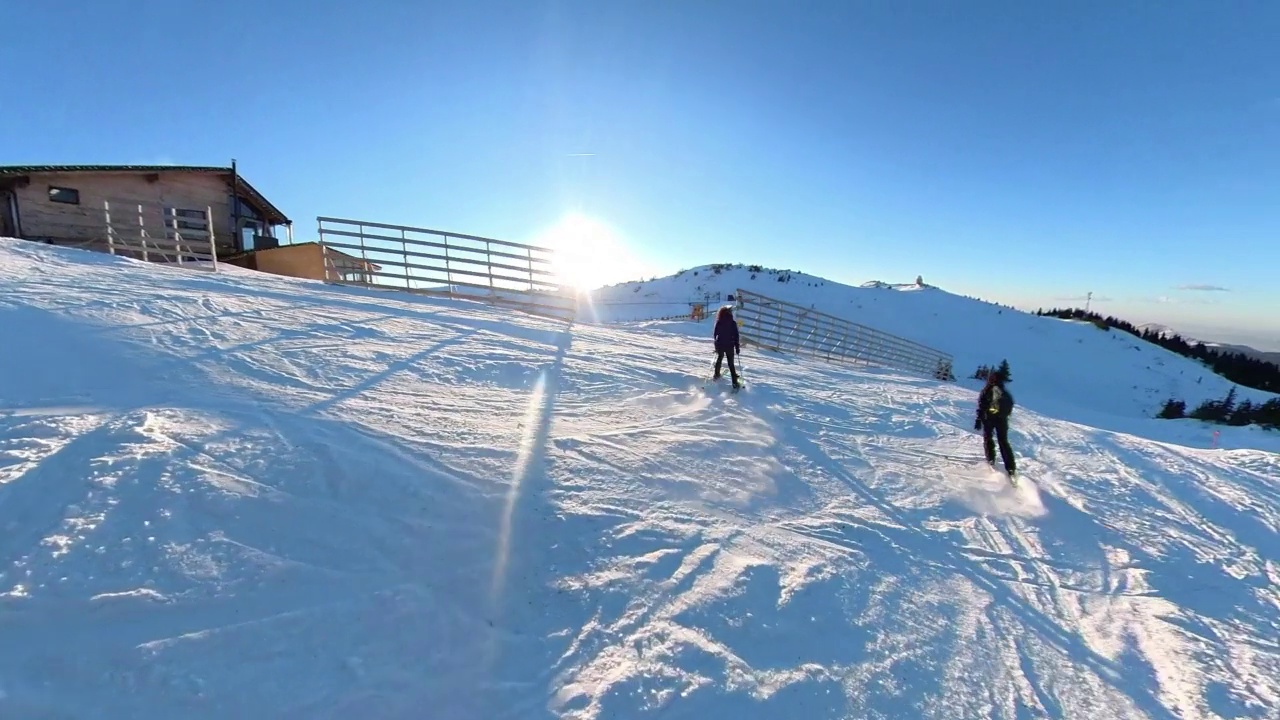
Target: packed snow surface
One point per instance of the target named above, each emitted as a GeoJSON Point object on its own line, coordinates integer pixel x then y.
{"type": "Point", "coordinates": [234, 495]}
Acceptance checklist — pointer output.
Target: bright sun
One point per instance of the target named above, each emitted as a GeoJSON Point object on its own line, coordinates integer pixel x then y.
{"type": "Point", "coordinates": [587, 253]}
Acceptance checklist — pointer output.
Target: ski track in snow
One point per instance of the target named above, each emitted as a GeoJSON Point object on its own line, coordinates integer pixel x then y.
{"type": "Point", "coordinates": [245, 496]}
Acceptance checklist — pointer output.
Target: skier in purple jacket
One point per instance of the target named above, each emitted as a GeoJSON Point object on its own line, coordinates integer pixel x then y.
{"type": "Point", "coordinates": [726, 342]}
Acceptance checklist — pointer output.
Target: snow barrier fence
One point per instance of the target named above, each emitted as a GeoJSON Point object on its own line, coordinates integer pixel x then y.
{"type": "Point", "coordinates": [787, 327]}
{"type": "Point", "coordinates": [435, 262]}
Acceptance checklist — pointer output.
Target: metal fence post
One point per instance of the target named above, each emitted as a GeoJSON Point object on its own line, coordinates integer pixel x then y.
{"type": "Point", "coordinates": [488, 261]}
{"type": "Point", "coordinates": [448, 271]}
{"type": "Point", "coordinates": [404, 248]}
{"type": "Point", "coordinates": [364, 254]}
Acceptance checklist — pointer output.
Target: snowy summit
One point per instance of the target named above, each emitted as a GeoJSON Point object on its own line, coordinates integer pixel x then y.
{"type": "Point", "coordinates": [238, 495]}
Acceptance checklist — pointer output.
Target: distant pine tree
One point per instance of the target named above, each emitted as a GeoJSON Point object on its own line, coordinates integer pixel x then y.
{"type": "Point", "coordinates": [1209, 411]}
{"type": "Point", "coordinates": [1243, 414]}
{"type": "Point", "coordinates": [1217, 411]}
{"type": "Point", "coordinates": [1268, 413]}
{"type": "Point", "coordinates": [1004, 371]}
{"type": "Point", "coordinates": [1173, 409]}
{"type": "Point", "coordinates": [1229, 405]}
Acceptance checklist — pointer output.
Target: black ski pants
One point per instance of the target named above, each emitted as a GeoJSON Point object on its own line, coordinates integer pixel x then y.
{"type": "Point", "coordinates": [999, 427]}
{"type": "Point", "coordinates": [720, 357]}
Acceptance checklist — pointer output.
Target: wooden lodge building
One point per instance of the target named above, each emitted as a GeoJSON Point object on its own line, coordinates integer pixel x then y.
{"type": "Point", "coordinates": [75, 205]}
{"type": "Point", "coordinates": [68, 204]}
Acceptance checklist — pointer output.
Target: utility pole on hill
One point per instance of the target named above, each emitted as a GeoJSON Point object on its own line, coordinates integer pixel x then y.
{"type": "Point", "coordinates": [1088, 299]}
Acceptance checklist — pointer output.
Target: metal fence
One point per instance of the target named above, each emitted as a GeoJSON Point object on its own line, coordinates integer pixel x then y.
{"type": "Point", "coordinates": [787, 327]}
{"type": "Point", "coordinates": [696, 308]}
{"type": "Point", "coordinates": [175, 235]}
{"type": "Point", "coordinates": [435, 262]}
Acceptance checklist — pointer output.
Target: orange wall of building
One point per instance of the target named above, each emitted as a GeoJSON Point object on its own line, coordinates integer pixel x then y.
{"type": "Point", "coordinates": [300, 261]}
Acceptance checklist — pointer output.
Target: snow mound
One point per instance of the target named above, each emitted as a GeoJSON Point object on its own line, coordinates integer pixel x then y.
{"type": "Point", "coordinates": [236, 495]}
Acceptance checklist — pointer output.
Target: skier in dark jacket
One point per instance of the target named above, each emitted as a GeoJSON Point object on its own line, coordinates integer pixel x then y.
{"type": "Point", "coordinates": [727, 343]}
{"type": "Point", "coordinates": [994, 406]}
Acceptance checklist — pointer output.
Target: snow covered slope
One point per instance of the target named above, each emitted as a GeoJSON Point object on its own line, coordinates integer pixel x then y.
{"type": "Point", "coordinates": [1064, 368]}
{"type": "Point", "coordinates": [245, 496]}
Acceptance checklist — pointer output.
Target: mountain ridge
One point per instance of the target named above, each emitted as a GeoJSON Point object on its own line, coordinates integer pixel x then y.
{"type": "Point", "coordinates": [974, 331]}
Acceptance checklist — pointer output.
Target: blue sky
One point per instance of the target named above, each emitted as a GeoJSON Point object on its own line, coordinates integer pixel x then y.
{"type": "Point", "coordinates": [1021, 152]}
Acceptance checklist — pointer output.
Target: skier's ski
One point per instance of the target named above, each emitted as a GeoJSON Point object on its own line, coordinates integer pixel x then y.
{"type": "Point", "coordinates": [713, 381]}
{"type": "Point", "coordinates": [1011, 477]}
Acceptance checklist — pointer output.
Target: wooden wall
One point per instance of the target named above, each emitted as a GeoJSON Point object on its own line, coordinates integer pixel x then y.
{"type": "Point", "coordinates": [300, 261]}
{"type": "Point", "coordinates": [85, 224]}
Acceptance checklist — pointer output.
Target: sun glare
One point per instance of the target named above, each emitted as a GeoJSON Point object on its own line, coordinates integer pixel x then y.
{"type": "Point", "coordinates": [588, 253]}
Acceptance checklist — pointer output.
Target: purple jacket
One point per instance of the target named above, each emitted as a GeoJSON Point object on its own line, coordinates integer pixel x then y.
{"type": "Point", "coordinates": [726, 335]}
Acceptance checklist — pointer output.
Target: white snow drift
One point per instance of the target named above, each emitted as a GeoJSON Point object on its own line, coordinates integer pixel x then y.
{"type": "Point", "coordinates": [242, 496]}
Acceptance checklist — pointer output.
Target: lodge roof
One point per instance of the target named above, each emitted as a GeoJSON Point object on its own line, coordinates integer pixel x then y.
{"type": "Point", "coordinates": [271, 212]}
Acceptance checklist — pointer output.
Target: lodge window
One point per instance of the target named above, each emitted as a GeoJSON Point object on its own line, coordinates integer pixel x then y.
{"type": "Point", "coordinates": [245, 211]}
{"type": "Point", "coordinates": [197, 221]}
{"type": "Point", "coordinates": [70, 196]}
